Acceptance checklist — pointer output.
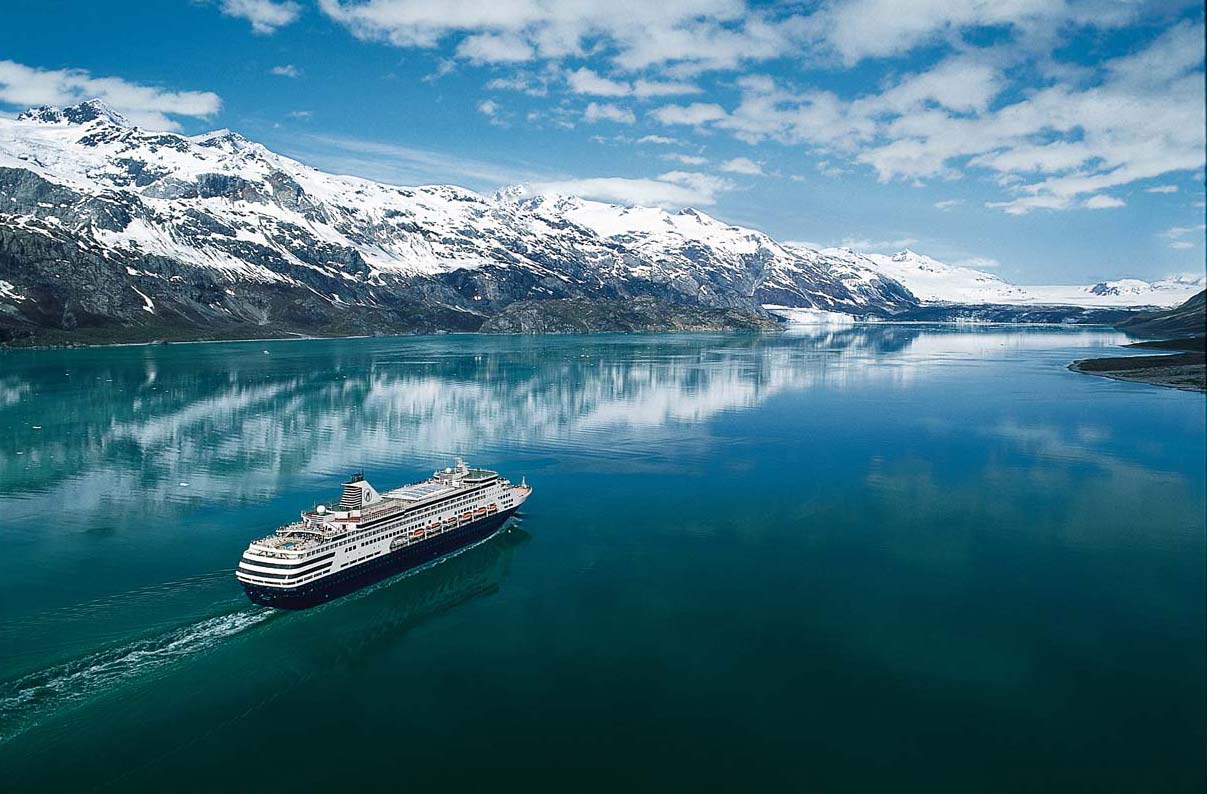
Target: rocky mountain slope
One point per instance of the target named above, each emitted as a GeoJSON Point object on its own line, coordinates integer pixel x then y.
{"type": "Point", "coordinates": [109, 232]}
{"type": "Point", "coordinates": [1187, 319]}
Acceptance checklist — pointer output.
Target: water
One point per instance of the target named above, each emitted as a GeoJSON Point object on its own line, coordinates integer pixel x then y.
{"type": "Point", "coordinates": [874, 558]}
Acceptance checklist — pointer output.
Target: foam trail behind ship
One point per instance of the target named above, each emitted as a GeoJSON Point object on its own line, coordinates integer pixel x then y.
{"type": "Point", "coordinates": [28, 700]}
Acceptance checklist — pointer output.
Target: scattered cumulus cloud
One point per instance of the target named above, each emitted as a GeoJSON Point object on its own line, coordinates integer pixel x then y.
{"type": "Point", "coordinates": [1137, 117]}
{"type": "Point", "coordinates": [1042, 130]}
{"type": "Point", "coordinates": [148, 106]}
{"type": "Point", "coordinates": [288, 70]}
{"type": "Point", "coordinates": [1161, 189]}
{"type": "Point", "coordinates": [265, 16]}
{"type": "Point", "coordinates": [870, 245]}
{"type": "Point", "coordinates": [405, 165]}
{"type": "Point", "coordinates": [1176, 236]}
{"type": "Point", "coordinates": [586, 81]}
{"type": "Point", "coordinates": [692, 35]}
{"type": "Point", "coordinates": [978, 263]}
{"type": "Point", "coordinates": [947, 204]}
{"type": "Point", "coordinates": [603, 111]}
{"type": "Point", "coordinates": [1103, 202]}
{"type": "Point", "coordinates": [659, 139]}
{"type": "Point", "coordinates": [742, 165]}
{"type": "Point", "coordinates": [530, 84]}
{"type": "Point", "coordinates": [685, 159]}
{"type": "Point", "coordinates": [671, 189]}
{"type": "Point", "coordinates": [495, 48]}
{"type": "Point", "coordinates": [694, 114]}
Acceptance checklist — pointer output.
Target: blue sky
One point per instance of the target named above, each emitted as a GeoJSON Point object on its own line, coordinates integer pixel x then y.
{"type": "Point", "coordinates": [1053, 141]}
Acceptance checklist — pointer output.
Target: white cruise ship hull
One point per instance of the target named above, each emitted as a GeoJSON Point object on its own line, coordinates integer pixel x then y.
{"type": "Point", "coordinates": [340, 583]}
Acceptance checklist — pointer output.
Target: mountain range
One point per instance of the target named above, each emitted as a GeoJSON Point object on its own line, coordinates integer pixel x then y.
{"type": "Point", "coordinates": [109, 232]}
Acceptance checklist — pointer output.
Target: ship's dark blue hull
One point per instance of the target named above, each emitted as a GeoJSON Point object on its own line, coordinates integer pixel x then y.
{"type": "Point", "coordinates": [343, 582]}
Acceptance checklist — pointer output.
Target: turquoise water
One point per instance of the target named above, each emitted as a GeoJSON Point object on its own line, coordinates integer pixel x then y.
{"type": "Point", "coordinates": [866, 559]}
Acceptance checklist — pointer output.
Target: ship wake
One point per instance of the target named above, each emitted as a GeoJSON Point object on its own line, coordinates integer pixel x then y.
{"type": "Point", "coordinates": [28, 700]}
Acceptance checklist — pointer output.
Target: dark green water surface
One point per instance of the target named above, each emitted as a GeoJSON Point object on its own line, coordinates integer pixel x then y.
{"type": "Point", "coordinates": [866, 559]}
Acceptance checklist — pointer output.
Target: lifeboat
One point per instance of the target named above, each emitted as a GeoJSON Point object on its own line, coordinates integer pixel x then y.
{"type": "Point", "coordinates": [492, 508]}
{"type": "Point", "coordinates": [466, 516]}
{"type": "Point", "coordinates": [415, 533]}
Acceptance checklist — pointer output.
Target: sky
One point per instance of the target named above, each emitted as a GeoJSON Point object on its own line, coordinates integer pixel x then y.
{"type": "Point", "coordinates": [1049, 141]}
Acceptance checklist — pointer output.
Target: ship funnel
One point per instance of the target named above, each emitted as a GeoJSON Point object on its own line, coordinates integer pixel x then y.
{"type": "Point", "coordinates": [357, 493]}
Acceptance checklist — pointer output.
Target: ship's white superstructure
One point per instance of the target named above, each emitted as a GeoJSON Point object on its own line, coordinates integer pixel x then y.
{"type": "Point", "coordinates": [334, 544]}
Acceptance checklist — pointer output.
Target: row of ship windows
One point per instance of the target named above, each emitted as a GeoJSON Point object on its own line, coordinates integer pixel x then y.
{"type": "Point", "coordinates": [439, 508]}
{"type": "Point", "coordinates": [359, 559]}
{"type": "Point", "coordinates": [412, 525]}
{"type": "Point", "coordinates": [446, 505]}
{"type": "Point", "coordinates": [326, 569]}
{"type": "Point", "coordinates": [434, 509]}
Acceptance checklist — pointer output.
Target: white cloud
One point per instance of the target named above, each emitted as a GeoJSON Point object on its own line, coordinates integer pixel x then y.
{"type": "Point", "coordinates": [587, 81]}
{"type": "Point", "coordinates": [597, 111]}
{"type": "Point", "coordinates": [488, 107]}
{"type": "Point", "coordinates": [1140, 117]}
{"type": "Point", "coordinates": [978, 263]}
{"type": "Point", "coordinates": [858, 29]}
{"type": "Point", "coordinates": [532, 85]}
{"type": "Point", "coordinates": [652, 88]}
{"type": "Point", "coordinates": [672, 189]}
{"type": "Point", "coordinates": [495, 48]}
{"type": "Point", "coordinates": [741, 165]}
{"type": "Point", "coordinates": [1175, 235]}
{"type": "Point", "coordinates": [288, 70]}
{"type": "Point", "coordinates": [1051, 131]}
{"type": "Point", "coordinates": [694, 34]}
{"type": "Point", "coordinates": [146, 106]}
{"type": "Point", "coordinates": [265, 16]}
{"type": "Point", "coordinates": [686, 159]}
{"type": "Point", "coordinates": [947, 204]}
{"type": "Point", "coordinates": [300, 114]}
{"type": "Point", "coordinates": [1161, 189]}
{"type": "Point", "coordinates": [1102, 201]}
{"type": "Point", "coordinates": [694, 114]}
{"type": "Point", "coordinates": [404, 165]}
{"type": "Point", "coordinates": [865, 244]}
{"type": "Point", "coordinates": [659, 139]}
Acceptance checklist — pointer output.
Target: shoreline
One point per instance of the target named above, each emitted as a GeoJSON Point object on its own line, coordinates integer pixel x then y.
{"type": "Point", "coordinates": [1182, 371]}
{"type": "Point", "coordinates": [1064, 327]}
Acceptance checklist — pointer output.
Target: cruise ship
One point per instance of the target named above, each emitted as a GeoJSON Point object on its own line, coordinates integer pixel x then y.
{"type": "Point", "coordinates": [369, 535]}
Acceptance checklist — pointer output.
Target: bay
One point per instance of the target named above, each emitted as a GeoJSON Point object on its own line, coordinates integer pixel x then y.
{"type": "Point", "coordinates": [841, 559]}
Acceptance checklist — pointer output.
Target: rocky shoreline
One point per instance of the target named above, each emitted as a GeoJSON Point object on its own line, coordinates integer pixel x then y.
{"type": "Point", "coordinates": [1185, 371]}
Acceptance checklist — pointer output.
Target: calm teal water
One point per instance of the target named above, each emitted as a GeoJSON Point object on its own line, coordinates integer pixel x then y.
{"type": "Point", "coordinates": [869, 559]}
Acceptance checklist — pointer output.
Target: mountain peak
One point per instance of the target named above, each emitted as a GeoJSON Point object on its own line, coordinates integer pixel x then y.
{"type": "Point", "coordinates": [82, 113]}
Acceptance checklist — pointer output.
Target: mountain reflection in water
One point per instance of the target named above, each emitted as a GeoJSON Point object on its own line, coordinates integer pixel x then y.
{"type": "Point", "coordinates": [231, 419]}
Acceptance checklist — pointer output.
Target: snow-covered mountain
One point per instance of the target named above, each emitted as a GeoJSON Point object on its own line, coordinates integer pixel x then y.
{"type": "Point", "coordinates": [933, 281]}
{"type": "Point", "coordinates": [1125, 292]}
{"type": "Point", "coordinates": [108, 231]}
{"type": "Point", "coordinates": [105, 223]}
